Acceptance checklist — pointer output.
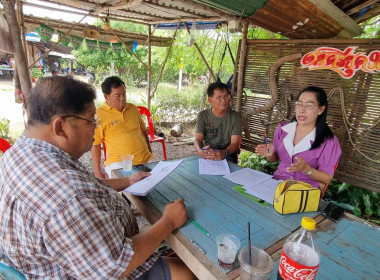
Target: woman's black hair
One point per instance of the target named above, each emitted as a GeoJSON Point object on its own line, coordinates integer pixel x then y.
{"type": "Point", "coordinates": [323, 131]}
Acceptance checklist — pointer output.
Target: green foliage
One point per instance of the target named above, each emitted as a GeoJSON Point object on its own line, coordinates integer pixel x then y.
{"type": "Point", "coordinates": [261, 33]}
{"type": "Point", "coordinates": [170, 105]}
{"type": "Point", "coordinates": [4, 128]}
{"type": "Point", "coordinates": [254, 161]}
{"type": "Point", "coordinates": [37, 73]}
{"type": "Point", "coordinates": [360, 201]}
{"type": "Point", "coordinates": [371, 28]}
{"type": "Point", "coordinates": [211, 43]}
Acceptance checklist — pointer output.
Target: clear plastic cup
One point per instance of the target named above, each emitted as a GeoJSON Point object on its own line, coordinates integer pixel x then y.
{"type": "Point", "coordinates": [126, 162]}
{"type": "Point", "coordinates": [259, 268]}
{"type": "Point", "coordinates": [228, 246]}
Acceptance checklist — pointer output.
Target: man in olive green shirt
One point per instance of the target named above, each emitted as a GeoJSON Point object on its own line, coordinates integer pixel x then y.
{"type": "Point", "coordinates": [218, 129]}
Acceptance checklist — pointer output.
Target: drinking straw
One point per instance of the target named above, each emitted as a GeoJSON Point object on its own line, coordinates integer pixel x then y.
{"type": "Point", "coordinates": [249, 241]}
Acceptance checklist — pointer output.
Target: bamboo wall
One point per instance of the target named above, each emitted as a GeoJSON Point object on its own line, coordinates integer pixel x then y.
{"type": "Point", "coordinates": [361, 101]}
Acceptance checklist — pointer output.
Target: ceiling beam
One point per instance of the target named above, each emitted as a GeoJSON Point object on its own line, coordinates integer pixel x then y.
{"type": "Point", "coordinates": [348, 24]}
{"type": "Point", "coordinates": [127, 5]}
{"type": "Point", "coordinates": [360, 7]}
{"type": "Point", "coordinates": [190, 19]}
{"type": "Point", "coordinates": [369, 14]}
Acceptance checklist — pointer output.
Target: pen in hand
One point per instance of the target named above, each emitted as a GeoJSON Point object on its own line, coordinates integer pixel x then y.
{"type": "Point", "coordinates": [266, 141]}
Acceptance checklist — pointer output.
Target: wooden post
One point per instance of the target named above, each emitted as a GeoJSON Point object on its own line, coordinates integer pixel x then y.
{"type": "Point", "coordinates": [21, 63]}
{"type": "Point", "coordinates": [23, 31]}
{"type": "Point", "coordinates": [148, 98]}
{"type": "Point", "coordinates": [243, 51]}
{"type": "Point", "coordinates": [166, 59]}
{"type": "Point", "coordinates": [201, 54]}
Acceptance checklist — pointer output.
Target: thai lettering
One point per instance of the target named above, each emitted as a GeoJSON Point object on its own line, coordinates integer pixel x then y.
{"type": "Point", "coordinates": [345, 63]}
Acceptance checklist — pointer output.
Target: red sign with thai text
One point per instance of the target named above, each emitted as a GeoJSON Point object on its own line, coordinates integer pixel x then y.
{"type": "Point", "coordinates": [346, 62]}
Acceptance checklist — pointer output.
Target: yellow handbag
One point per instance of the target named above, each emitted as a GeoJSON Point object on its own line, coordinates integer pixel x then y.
{"type": "Point", "coordinates": [293, 196]}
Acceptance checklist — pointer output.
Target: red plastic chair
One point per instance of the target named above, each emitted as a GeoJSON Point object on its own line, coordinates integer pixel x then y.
{"type": "Point", "coordinates": [4, 145]}
{"type": "Point", "coordinates": [152, 137]}
{"type": "Point", "coordinates": [104, 150]}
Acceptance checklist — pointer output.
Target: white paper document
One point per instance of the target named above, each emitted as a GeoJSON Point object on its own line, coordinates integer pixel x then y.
{"type": "Point", "coordinates": [159, 172]}
{"type": "Point", "coordinates": [213, 167]}
{"type": "Point", "coordinates": [247, 176]}
{"type": "Point", "coordinates": [264, 190]}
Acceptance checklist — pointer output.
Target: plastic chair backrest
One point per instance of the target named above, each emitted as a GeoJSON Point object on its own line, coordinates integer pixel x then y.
{"type": "Point", "coordinates": [145, 111]}
{"type": "Point", "coordinates": [325, 186]}
{"type": "Point", "coordinates": [4, 145]}
{"type": "Point", "coordinates": [7, 272]}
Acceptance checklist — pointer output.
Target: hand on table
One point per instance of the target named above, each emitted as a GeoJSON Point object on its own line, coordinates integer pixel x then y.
{"type": "Point", "coordinates": [211, 154]}
{"type": "Point", "coordinates": [175, 213]}
{"type": "Point", "coordinates": [135, 177]}
{"type": "Point", "coordinates": [300, 165]}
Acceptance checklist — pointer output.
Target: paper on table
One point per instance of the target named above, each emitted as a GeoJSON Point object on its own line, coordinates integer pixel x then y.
{"type": "Point", "coordinates": [213, 167]}
{"type": "Point", "coordinates": [159, 172]}
{"type": "Point", "coordinates": [264, 190]}
{"type": "Point", "coordinates": [246, 176]}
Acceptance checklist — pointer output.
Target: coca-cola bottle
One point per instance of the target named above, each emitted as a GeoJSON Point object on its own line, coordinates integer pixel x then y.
{"type": "Point", "coordinates": [300, 255]}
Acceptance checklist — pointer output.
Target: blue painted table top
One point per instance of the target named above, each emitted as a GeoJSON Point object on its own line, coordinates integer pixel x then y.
{"type": "Point", "coordinates": [216, 207]}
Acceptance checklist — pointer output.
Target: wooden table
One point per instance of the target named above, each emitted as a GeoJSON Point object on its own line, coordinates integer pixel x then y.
{"type": "Point", "coordinates": [214, 205]}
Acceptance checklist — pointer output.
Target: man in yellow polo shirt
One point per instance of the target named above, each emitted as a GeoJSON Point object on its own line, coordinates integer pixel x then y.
{"type": "Point", "coordinates": [121, 128]}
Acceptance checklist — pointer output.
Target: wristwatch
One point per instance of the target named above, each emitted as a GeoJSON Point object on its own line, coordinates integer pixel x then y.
{"type": "Point", "coordinates": [308, 173]}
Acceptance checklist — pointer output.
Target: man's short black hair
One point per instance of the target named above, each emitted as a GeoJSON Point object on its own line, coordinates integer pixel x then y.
{"type": "Point", "coordinates": [58, 95]}
{"type": "Point", "coordinates": [111, 82]}
{"type": "Point", "coordinates": [214, 86]}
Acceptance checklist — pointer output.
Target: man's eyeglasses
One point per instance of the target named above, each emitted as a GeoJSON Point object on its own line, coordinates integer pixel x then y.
{"type": "Point", "coordinates": [95, 122]}
{"type": "Point", "coordinates": [220, 98]}
{"type": "Point", "coordinates": [307, 106]}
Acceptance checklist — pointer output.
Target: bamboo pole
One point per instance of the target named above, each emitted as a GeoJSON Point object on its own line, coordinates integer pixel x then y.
{"type": "Point", "coordinates": [56, 44]}
{"type": "Point", "coordinates": [149, 65]}
{"type": "Point", "coordinates": [128, 48]}
{"type": "Point", "coordinates": [21, 63]}
{"type": "Point", "coordinates": [233, 82]}
{"type": "Point", "coordinates": [188, 19]}
{"type": "Point", "coordinates": [201, 54]}
{"type": "Point", "coordinates": [166, 59]}
{"type": "Point", "coordinates": [243, 51]}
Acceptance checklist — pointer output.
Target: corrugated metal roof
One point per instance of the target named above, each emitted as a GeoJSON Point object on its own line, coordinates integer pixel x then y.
{"type": "Point", "coordinates": [292, 18]}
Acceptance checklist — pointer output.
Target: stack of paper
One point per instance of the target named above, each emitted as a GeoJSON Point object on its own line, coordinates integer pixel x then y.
{"type": "Point", "coordinates": [213, 167]}
{"type": "Point", "coordinates": [159, 172]}
{"type": "Point", "coordinates": [256, 183]}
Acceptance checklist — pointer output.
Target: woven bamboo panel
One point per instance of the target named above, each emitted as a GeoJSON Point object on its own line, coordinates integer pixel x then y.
{"type": "Point", "coordinates": [361, 97]}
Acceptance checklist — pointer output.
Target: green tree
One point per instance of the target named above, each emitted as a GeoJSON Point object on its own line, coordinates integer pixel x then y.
{"type": "Point", "coordinates": [371, 28]}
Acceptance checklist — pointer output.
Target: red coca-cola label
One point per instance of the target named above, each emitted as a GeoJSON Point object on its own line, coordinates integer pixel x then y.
{"type": "Point", "coordinates": [291, 270]}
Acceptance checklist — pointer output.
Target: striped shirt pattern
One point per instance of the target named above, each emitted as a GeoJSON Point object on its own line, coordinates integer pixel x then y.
{"type": "Point", "coordinates": [57, 221]}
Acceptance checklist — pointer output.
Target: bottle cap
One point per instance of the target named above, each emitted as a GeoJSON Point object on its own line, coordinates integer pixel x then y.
{"type": "Point", "coordinates": [308, 223]}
